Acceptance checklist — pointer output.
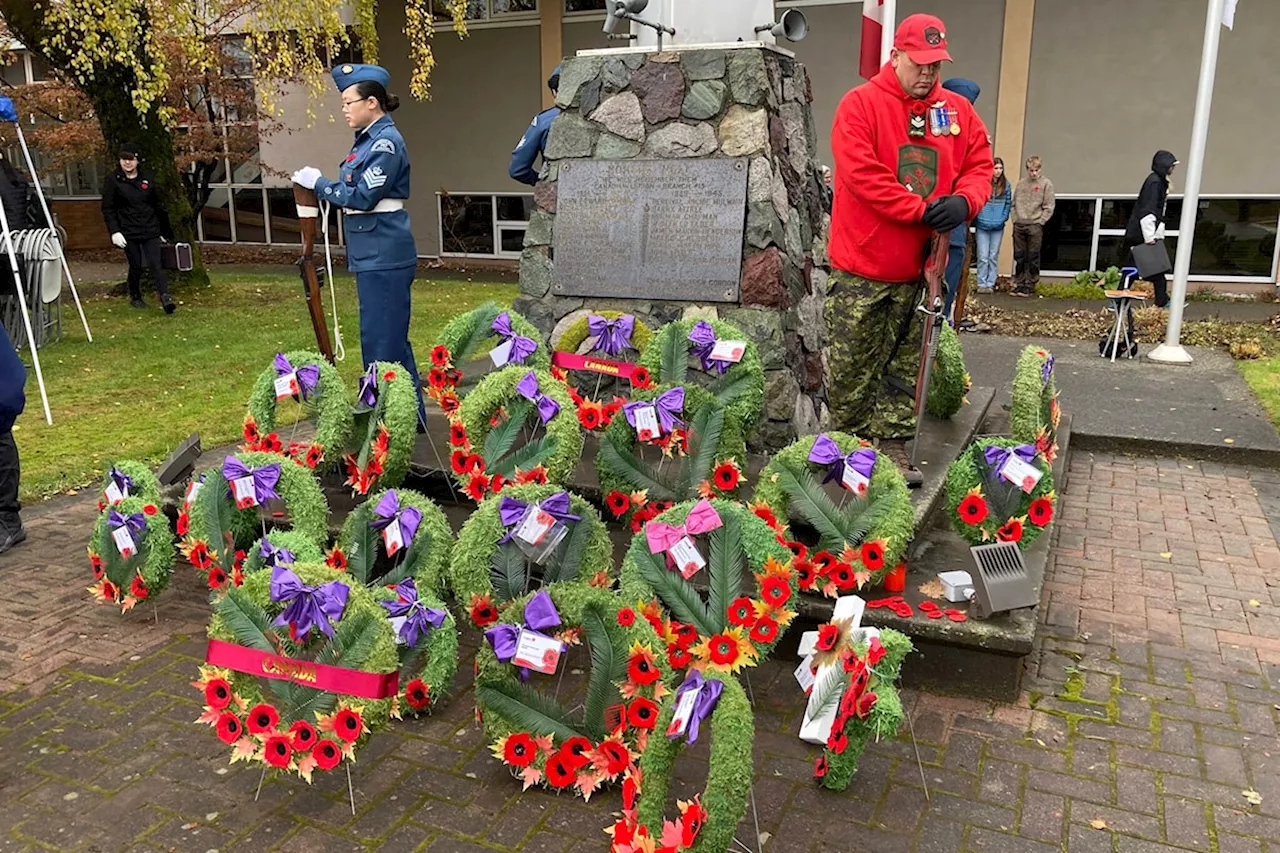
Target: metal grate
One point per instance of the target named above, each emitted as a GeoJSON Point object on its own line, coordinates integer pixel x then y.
{"type": "Point", "coordinates": [1001, 582]}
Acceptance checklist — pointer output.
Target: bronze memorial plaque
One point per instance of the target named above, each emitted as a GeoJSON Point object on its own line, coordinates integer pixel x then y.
{"type": "Point", "coordinates": [650, 229]}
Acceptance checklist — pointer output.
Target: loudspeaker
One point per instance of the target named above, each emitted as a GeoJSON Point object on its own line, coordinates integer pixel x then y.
{"type": "Point", "coordinates": [181, 463]}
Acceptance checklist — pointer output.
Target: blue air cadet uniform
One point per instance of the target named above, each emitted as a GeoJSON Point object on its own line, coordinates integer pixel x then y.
{"type": "Point", "coordinates": [534, 140]}
{"type": "Point", "coordinates": [371, 189]}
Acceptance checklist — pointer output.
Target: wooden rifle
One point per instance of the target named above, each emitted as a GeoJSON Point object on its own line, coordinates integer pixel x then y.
{"type": "Point", "coordinates": [308, 213]}
{"type": "Point", "coordinates": [935, 268]}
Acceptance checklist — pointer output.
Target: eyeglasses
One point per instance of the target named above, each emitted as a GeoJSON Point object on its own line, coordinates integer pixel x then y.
{"type": "Point", "coordinates": [347, 103]}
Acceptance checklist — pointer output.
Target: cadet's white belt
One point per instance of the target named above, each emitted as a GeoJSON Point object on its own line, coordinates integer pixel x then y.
{"type": "Point", "coordinates": [387, 205]}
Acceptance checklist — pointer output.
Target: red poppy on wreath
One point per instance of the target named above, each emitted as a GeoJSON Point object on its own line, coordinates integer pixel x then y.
{"type": "Point", "coordinates": [229, 727]}
{"type": "Point", "coordinates": [723, 650]}
{"type": "Point", "coordinates": [251, 431]}
{"type": "Point", "coordinates": [262, 718]}
{"type": "Point", "coordinates": [348, 725]}
{"type": "Point", "coordinates": [875, 651]}
{"type": "Point", "coordinates": [95, 562]}
{"type": "Point", "coordinates": [519, 750]}
{"type": "Point", "coordinates": [440, 356]}
{"type": "Point", "coordinates": [271, 444]}
{"type": "Point", "coordinates": [304, 735]}
{"type": "Point", "coordinates": [805, 574]}
{"type": "Point", "coordinates": [315, 455]}
{"type": "Point", "coordinates": [775, 590]}
{"type": "Point", "coordinates": [613, 755]}
{"type": "Point", "coordinates": [838, 742]}
{"type": "Point", "coordinates": [436, 377]}
{"type": "Point", "coordinates": [496, 482]}
{"type": "Point", "coordinates": [618, 503]}
{"type": "Point", "coordinates": [726, 476]}
{"type": "Point", "coordinates": [577, 751]}
{"type": "Point", "coordinates": [686, 635]}
{"type": "Point", "coordinates": [820, 767]}
{"type": "Point", "coordinates": [483, 613]}
{"type": "Point", "coordinates": [641, 669]}
{"type": "Point", "coordinates": [536, 474]}
{"type": "Point", "coordinates": [692, 817]}
{"type": "Point", "coordinates": [559, 773]}
{"type": "Point", "coordinates": [626, 617]}
{"type": "Point", "coordinates": [873, 555]}
{"type": "Point", "coordinates": [278, 752]}
{"type": "Point", "coordinates": [477, 486]}
{"type": "Point", "coordinates": [327, 754]}
{"type": "Point", "coordinates": [1010, 531]}
{"type": "Point", "coordinates": [865, 703]}
{"type": "Point", "coordinates": [765, 630]}
{"type": "Point", "coordinates": [765, 514]}
{"type": "Point", "coordinates": [973, 509]}
{"type": "Point", "coordinates": [138, 588]}
{"type": "Point", "coordinates": [742, 612]}
{"type": "Point", "coordinates": [589, 415]}
{"type": "Point", "coordinates": [149, 509]}
{"type": "Point", "coordinates": [458, 461]}
{"type": "Point", "coordinates": [336, 559]}
{"type": "Point", "coordinates": [449, 402]}
{"type": "Point", "coordinates": [640, 378]}
{"type": "Point", "coordinates": [642, 713]}
{"type": "Point", "coordinates": [109, 591]}
{"type": "Point", "coordinates": [678, 657]}
{"type": "Point", "coordinates": [475, 464]}
{"type": "Point", "coordinates": [390, 375]}
{"type": "Point", "coordinates": [417, 694]}
{"type": "Point", "coordinates": [217, 693]}
{"type": "Point", "coordinates": [843, 576]}
{"type": "Point", "coordinates": [797, 549]}
{"type": "Point", "coordinates": [217, 578]}
{"type": "Point", "coordinates": [828, 636]}
{"type": "Point", "coordinates": [198, 554]}
{"type": "Point", "coordinates": [1040, 512]}
{"type": "Point", "coordinates": [458, 436]}
{"type": "Point", "coordinates": [823, 561]}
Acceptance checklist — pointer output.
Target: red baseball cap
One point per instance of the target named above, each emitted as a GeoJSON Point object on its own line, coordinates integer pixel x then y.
{"type": "Point", "coordinates": [923, 38]}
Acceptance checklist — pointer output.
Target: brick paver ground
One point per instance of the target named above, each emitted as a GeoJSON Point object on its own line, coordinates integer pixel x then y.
{"type": "Point", "coordinates": [1151, 706]}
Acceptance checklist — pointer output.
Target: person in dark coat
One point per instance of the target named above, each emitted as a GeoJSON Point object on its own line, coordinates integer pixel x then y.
{"type": "Point", "coordinates": [534, 140]}
{"type": "Point", "coordinates": [13, 399]}
{"type": "Point", "coordinates": [15, 194]}
{"type": "Point", "coordinates": [138, 222]}
{"type": "Point", "coordinates": [1146, 223]}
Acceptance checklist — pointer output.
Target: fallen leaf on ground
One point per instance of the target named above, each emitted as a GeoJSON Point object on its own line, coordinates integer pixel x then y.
{"type": "Point", "coordinates": [1098, 823]}
{"type": "Point", "coordinates": [932, 589]}
{"type": "Point", "coordinates": [1253, 797]}
{"type": "Point", "coordinates": [1253, 602]}
{"type": "Point", "coordinates": [1228, 441]}
{"type": "Point", "coordinates": [1168, 555]}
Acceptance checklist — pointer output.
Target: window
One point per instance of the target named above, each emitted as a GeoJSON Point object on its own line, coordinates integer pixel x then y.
{"type": "Point", "coordinates": [480, 10]}
{"type": "Point", "coordinates": [15, 74]}
{"type": "Point", "coordinates": [583, 6]}
{"type": "Point", "coordinates": [250, 216]}
{"type": "Point", "coordinates": [1235, 237]}
{"type": "Point", "coordinates": [1068, 235]}
{"type": "Point", "coordinates": [486, 225]}
{"type": "Point", "coordinates": [284, 216]}
{"type": "Point", "coordinates": [215, 218]}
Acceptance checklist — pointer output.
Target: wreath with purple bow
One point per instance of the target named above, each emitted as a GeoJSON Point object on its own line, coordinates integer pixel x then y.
{"type": "Point", "coordinates": [715, 355]}
{"type": "Point", "coordinates": [1000, 490]}
{"type": "Point", "coordinates": [473, 344]}
{"type": "Point", "coordinates": [131, 553]}
{"type": "Point", "coordinates": [310, 386]}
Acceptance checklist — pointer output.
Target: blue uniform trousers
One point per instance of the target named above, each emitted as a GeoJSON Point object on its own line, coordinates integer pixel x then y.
{"type": "Point", "coordinates": [384, 322]}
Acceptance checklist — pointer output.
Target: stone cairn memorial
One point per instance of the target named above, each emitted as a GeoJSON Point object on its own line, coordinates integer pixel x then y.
{"type": "Point", "coordinates": [683, 184]}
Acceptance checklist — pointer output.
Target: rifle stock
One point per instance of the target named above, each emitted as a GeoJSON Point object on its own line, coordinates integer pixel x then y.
{"type": "Point", "coordinates": [308, 213]}
{"type": "Point", "coordinates": [935, 268]}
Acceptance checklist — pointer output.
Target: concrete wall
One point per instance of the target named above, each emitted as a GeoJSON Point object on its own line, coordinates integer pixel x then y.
{"type": "Point", "coordinates": [321, 142]}
{"type": "Point", "coordinates": [1113, 82]}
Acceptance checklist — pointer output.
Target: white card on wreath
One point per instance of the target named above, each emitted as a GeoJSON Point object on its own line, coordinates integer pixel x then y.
{"type": "Point", "coordinates": [686, 556]}
{"type": "Point", "coordinates": [647, 427]}
{"type": "Point", "coordinates": [501, 354]}
{"type": "Point", "coordinates": [805, 676]}
{"type": "Point", "coordinates": [397, 622]}
{"type": "Point", "coordinates": [193, 489]}
{"type": "Point", "coordinates": [393, 537]}
{"type": "Point", "coordinates": [1021, 473]}
{"type": "Point", "coordinates": [537, 652]}
{"type": "Point", "coordinates": [287, 385]}
{"type": "Point", "coordinates": [854, 480]}
{"type": "Point", "coordinates": [243, 490]}
{"type": "Point", "coordinates": [124, 542]}
{"type": "Point", "coordinates": [683, 713]}
{"type": "Point", "coordinates": [535, 526]}
{"type": "Point", "coordinates": [731, 351]}
{"type": "Point", "coordinates": [114, 493]}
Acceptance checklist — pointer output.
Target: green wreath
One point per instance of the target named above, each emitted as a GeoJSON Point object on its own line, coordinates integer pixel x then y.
{"type": "Point", "coordinates": [707, 453]}
{"type": "Point", "coordinates": [285, 724]}
{"type": "Point", "coordinates": [733, 630]}
{"type": "Point", "coordinates": [740, 388]}
{"type": "Point", "coordinates": [143, 574]}
{"type": "Point", "coordinates": [218, 534]}
{"type": "Point", "coordinates": [425, 558]}
{"type": "Point", "coordinates": [469, 337]}
{"type": "Point", "coordinates": [708, 822]}
{"type": "Point", "coordinates": [533, 733]}
{"type": "Point", "coordinates": [593, 412]}
{"type": "Point", "coordinates": [879, 524]}
{"type": "Point", "coordinates": [304, 550]}
{"type": "Point", "coordinates": [572, 338]}
{"type": "Point", "coordinates": [983, 508]}
{"type": "Point", "coordinates": [428, 665]}
{"type": "Point", "coordinates": [557, 449]}
{"type": "Point", "coordinates": [327, 404]}
{"type": "Point", "coordinates": [143, 483]}
{"type": "Point", "coordinates": [950, 380]}
{"type": "Point", "coordinates": [1034, 412]}
{"type": "Point", "coordinates": [386, 433]}
{"type": "Point", "coordinates": [864, 686]}
{"type": "Point", "coordinates": [482, 571]}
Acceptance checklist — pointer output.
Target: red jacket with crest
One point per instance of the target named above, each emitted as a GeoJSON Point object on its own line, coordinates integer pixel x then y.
{"type": "Point", "coordinates": [884, 178]}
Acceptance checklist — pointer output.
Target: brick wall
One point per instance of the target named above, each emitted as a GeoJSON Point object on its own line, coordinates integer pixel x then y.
{"type": "Point", "coordinates": [82, 220]}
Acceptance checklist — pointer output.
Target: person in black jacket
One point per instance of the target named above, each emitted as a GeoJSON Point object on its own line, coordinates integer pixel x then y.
{"type": "Point", "coordinates": [13, 399]}
{"type": "Point", "coordinates": [15, 194]}
{"type": "Point", "coordinates": [139, 223]}
{"type": "Point", "coordinates": [1146, 224]}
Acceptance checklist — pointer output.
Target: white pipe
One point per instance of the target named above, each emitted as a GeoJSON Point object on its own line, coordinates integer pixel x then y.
{"type": "Point", "coordinates": [26, 315]}
{"type": "Point", "coordinates": [1172, 350]}
{"type": "Point", "coordinates": [888, 24]}
{"type": "Point", "coordinates": [48, 217]}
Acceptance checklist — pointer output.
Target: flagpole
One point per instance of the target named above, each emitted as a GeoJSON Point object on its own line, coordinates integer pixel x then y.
{"type": "Point", "coordinates": [1172, 351]}
{"type": "Point", "coordinates": [889, 23]}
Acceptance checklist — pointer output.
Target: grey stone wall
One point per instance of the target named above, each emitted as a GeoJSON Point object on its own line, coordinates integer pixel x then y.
{"type": "Point", "coordinates": [749, 103]}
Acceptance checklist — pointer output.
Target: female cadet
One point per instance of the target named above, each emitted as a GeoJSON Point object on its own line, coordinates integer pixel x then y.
{"type": "Point", "coordinates": [371, 188]}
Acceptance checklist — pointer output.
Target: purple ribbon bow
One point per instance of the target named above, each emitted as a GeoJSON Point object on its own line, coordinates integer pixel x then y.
{"type": "Point", "coordinates": [826, 452]}
{"type": "Point", "coordinates": [528, 388]}
{"type": "Point", "coordinates": [367, 393]}
{"type": "Point", "coordinates": [1047, 370]}
{"type": "Point", "coordinates": [997, 457]}
{"type": "Point", "coordinates": [122, 480]}
{"type": "Point", "coordinates": [264, 478]}
{"type": "Point", "coordinates": [136, 522]}
{"type": "Point", "coordinates": [510, 511]}
{"type": "Point", "coordinates": [539, 614]}
{"type": "Point", "coordinates": [389, 509]}
{"type": "Point", "coordinates": [521, 347]}
{"type": "Point", "coordinates": [612, 336]}
{"type": "Point", "coordinates": [418, 618]}
{"type": "Point", "coordinates": [308, 375]}
{"type": "Point", "coordinates": [668, 405]}
{"type": "Point", "coordinates": [308, 606]}
{"type": "Point", "coordinates": [708, 694]}
{"type": "Point", "coordinates": [273, 556]}
{"type": "Point", "coordinates": [704, 341]}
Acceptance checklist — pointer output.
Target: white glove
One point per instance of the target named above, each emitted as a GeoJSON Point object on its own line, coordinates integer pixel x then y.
{"type": "Point", "coordinates": [164, 241]}
{"type": "Point", "coordinates": [119, 240]}
{"type": "Point", "coordinates": [307, 177]}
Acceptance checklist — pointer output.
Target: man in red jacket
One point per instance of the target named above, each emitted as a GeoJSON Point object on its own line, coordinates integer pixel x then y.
{"type": "Point", "coordinates": [911, 160]}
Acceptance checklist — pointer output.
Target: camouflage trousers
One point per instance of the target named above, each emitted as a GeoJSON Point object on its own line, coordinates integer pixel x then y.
{"type": "Point", "coordinates": [874, 333]}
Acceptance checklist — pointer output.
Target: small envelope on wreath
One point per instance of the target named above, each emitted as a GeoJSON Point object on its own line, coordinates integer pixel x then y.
{"type": "Point", "coordinates": [1021, 473]}
{"type": "Point", "coordinates": [647, 428]}
{"type": "Point", "coordinates": [538, 534]}
{"type": "Point", "coordinates": [730, 351]}
{"type": "Point", "coordinates": [501, 354]}
{"type": "Point", "coordinates": [393, 537]}
{"type": "Point", "coordinates": [688, 560]}
{"type": "Point", "coordinates": [683, 713]}
{"type": "Point", "coordinates": [193, 490]}
{"type": "Point", "coordinates": [114, 493]}
{"type": "Point", "coordinates": [287, 385]}
{"type": "Point", "coordinates": [854, 480]}
{"type": "Point", "coordinates": [538, 652]}
{"type": "Point", "coordinates": [124, 542]}
{"type": "Point", "coordinates": [244, 491]}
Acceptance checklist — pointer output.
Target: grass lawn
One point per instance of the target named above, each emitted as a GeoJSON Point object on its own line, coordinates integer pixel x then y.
{"type": "Point", "coordinates": [1263, 376]}
{"type": "Point", "coordinates": [149, 380]}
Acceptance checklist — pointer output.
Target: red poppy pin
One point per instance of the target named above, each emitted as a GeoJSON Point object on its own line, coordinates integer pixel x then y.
{"type": "Point", "coordinates": [145, 185]}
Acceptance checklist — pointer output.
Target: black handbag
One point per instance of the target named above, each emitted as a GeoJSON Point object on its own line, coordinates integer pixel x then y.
{"type": "Point", "coordinates": [176, 256]}
{"type": "Point", "coordinates": [1151, 259]}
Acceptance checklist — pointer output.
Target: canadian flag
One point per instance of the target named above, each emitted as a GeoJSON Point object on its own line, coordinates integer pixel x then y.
{"type": "Point", "coordinates": [872, 33]}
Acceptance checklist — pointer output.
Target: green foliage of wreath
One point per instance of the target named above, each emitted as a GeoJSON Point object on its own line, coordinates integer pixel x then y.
{"type": "Point", "coordinates": [741, 388]}
{"type": "Point", "coordinates": [304, 549]}
{"type": "Point", "coordinates": [329, 406]}
{"type": "Point", "coordinates": [558, 447]}
{"type": "Point", "coordinates": [425, 559]}
{"type": "Point", "coordinates": [791, 485]}
{"type": "Point", "coordinates": [477, 559]}
{"type": "Point", "coordinates": [113, 575]}
{"type": "Point", "coordinates": [573, 337]}
{"type": "Point", "coordinates": [469, 337]}
{"type": "Point", "coordinates": [884, 718]}
{"type": "Point", "coordinates": [1004, 502]}
{"type": "Point", "coordinates": [715, 435]}
{"type": "Point", "coordinates": [397, 410]}
{"type": "Point", "coordinates": [145, 484]}
{"type": "Point", "coordinates": [950, 380]}
{"type": "Point", "coordinates": [732, 732]}
{"type": "Point", "coordinates": [1033, 401]}
{"type": "Point", "coordinates": [433, 660]}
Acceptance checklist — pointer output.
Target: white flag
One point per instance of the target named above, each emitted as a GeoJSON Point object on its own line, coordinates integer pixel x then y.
{"type": "Point", "coordinates": [1229, 15]}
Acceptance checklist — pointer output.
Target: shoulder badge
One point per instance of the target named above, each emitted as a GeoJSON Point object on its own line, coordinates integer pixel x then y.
{"type": "Point", "coordinates": [374, 178]}
{"type": "Point", "coordinates": [386, 146]}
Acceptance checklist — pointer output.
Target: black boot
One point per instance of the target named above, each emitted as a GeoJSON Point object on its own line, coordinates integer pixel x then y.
{"type": "Point", "coordinates": [167, 302]}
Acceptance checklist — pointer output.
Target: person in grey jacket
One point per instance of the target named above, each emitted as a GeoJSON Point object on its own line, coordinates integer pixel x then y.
{"type": "Point", "coordinates": [989, 227]}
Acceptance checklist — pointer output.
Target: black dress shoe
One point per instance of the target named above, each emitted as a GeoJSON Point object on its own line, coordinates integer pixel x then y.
{"type": "Point", "coordinates": [11, 538]}
{"type": "Point", "coordinates": [138, 303]}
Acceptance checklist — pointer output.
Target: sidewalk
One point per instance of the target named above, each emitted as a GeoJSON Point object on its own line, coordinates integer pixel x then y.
{"type": "Point", "coordinates": [1234, 312]}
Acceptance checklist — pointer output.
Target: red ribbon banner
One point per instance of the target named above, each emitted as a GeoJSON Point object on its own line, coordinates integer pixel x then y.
{"type": "Point", "coordinates": [573, 361]}
{"type": "Point", "coordinates": [319, 676]}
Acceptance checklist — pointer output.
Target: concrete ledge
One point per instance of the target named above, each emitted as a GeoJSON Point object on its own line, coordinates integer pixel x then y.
{"type": "Point", "coordinates": [1240, 453]}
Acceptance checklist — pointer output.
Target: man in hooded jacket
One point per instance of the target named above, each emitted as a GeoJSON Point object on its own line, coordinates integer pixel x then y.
{"type": "Point", "coordinates": [1146, 223]}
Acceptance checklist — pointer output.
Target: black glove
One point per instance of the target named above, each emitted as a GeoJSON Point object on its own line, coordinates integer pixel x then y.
{"type": "Point", "coordinates": [944, 214]}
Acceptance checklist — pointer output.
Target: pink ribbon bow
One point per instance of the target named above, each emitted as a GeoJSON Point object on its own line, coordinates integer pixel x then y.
{"type": "Point", "coordinates": [702, 518]}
